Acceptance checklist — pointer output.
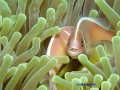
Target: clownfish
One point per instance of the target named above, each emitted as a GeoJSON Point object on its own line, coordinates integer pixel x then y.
{"type": "Point", "coordinates": [81, 39]}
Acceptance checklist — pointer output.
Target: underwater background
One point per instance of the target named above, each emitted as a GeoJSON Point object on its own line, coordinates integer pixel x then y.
{"type": "Point", "coordinates": [27, 28]}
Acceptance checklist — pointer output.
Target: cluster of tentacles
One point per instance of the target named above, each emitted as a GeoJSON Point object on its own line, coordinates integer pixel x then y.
{"type": "Point", "coordinates": [34, 40]}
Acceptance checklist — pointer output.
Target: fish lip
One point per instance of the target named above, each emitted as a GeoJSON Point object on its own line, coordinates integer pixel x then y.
{"type": "Point", "coordinates": [74, 55]}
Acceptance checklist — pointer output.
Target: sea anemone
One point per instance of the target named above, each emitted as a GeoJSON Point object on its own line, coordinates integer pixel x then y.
{"type": "Point", "coordinates": [26, 28]}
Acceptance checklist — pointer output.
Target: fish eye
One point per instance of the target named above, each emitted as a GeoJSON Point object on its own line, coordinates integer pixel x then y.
{"type": "Point", "coordinates": [82, 41]}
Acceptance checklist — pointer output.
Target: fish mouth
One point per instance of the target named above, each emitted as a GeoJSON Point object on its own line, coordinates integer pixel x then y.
{"type": "Point", "coordinates": [74, 52]}
{"type": "Point", "coordinates": [74, 55]}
